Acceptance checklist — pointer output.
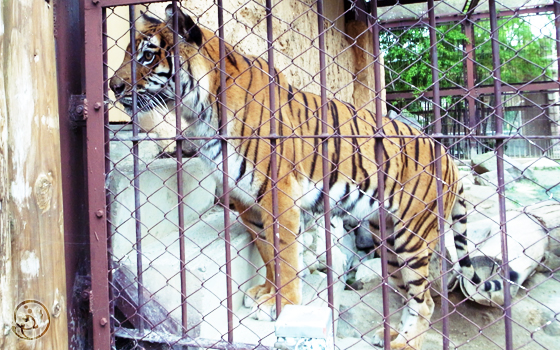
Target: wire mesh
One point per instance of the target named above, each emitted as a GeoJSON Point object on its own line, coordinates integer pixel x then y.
{"type": "Point", "coordinates": [248, 168]}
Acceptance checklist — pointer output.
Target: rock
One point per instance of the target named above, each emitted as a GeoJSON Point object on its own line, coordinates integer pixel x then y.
{"type": "Point", "coordinates": [345, 241]}
{"type": "Point", "coordinates": [369, 271]}
{"type": "Point", "coordinates": [543, 164]}
{"type": "Point", "coordinates": [545, 172]}
{"type": "Point", "coordinates": [482, 198]}
{"type": "Point", "coordinates": [313, 239]}
{"type": "Point", "coordinates": [467, 178]}
{"type": "Point", "coordinates": [552, 328]}
{"type": "Point", "coordinates": [490, 178]}
{"type": "Point", "coordinates": [549, 263]}
{"type": "Point", "coordinates": [406, 118]}
{"type": "Point", "coordinates": [486, 162]}
{"type": "Point", "coordinates": [361, 312]}
{"type": "Point", "coordinates": [547, 213]}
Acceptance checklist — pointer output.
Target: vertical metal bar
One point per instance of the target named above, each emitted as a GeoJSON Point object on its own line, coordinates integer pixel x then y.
{"type": "Point", "coordinates": [136, 172]}
{"type": "Point", "coordinates": [108, 165]}
{"type": "Point", "coordinates": [436, 100]}
{"type": "Point", "coordinates": [557, 27]}
{"type": "Point", "coordinates": [69, 67]}
{"type": "Point", "coordinates": [273, 156]}
{"type": "Point", "coordinates": [498, 113]}
{"type": "Point", "coordinates": [469, 47]}
{"type": "Point", "coordinates": [436, 103]}
{"type": "Point", "coordinates": [179, 155]}
{"type": "Point", "coordinates": [222, 100]}
{"type": "Point", "coordinates": [381, 178]}
{"type": "Point", "coordinates": [96, 171]}
{"type": "Point", "coordinates": [325, 153]}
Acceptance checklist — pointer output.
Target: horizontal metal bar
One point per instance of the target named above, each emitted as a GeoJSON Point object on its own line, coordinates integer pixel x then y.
{"type": "Point", "coordinates": [381, 136]}
{"type": "Point", "coordinates": [111, 3]}
{"type": "Point", "coordinates": [166, 338]}
{"type": "Point", "coordinates": [385, 3]}
{"type": "Point", "coordinates": [477, 91]}
{"type": "Point", "coordinates": [462, 17]}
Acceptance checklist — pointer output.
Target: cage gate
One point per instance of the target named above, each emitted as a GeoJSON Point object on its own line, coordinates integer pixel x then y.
{"type": "Point", "coordinates": [231, 173]}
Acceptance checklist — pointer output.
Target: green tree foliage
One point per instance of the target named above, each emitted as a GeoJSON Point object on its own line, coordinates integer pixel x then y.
{"type": "Point", "coordinates": [407, 58]}
{"type": "Point", "coordinates": [526, 52]}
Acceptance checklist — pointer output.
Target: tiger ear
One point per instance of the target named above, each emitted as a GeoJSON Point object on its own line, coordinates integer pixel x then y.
{"type": "Point", "coordinates": [187, 28]}
{"type": "Point", "coordinates": [145, 20]}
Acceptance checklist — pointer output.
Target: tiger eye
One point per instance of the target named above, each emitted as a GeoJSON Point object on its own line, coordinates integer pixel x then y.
{"type": "Point", "coordinates": [148, 55]}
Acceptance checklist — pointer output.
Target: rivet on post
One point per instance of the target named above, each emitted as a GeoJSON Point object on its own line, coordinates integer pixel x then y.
{"type": "Point", "coordinates": [97, 105]}
{"type": "Point", "coordinates": [99, 213]}
{"type": "Point", "coordinates": [103, 322]}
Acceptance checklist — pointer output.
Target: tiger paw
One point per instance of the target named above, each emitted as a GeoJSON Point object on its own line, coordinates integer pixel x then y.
{"type": "Point", "coordinates": [379, 342]}
{"type": "Point", "coordinates": [255, 293]}
{"type": "Point", "coordinates": [265, 308]}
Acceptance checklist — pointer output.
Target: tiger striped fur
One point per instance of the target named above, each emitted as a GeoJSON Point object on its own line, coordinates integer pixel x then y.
{"type": "Point", "coordinates": [408, 167]}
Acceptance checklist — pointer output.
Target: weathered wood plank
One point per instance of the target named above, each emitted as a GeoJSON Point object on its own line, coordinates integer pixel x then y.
{"type": "Point", "coordinates": [31, 220]}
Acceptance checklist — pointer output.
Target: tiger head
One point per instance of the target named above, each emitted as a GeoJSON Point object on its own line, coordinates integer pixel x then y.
{"type": "Point", "coordinates": [155, 67]}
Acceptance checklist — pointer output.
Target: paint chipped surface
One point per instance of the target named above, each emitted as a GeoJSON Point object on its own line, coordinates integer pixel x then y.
{"type": "Point", "coordinates": [20, 191]}
{"type": "Point", "coordinates": [30, 264]}
{"type": "Point", "coordinates": [50, 121]}
{"type": "Point", "coordinates": [21, 103]}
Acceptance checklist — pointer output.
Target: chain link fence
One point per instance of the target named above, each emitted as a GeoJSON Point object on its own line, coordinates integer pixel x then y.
{"type": "Point", "coordinates": [281, 182]}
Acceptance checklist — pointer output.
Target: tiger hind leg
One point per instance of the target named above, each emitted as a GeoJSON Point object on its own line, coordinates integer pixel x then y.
{"type": "Point", "coordinates": [264, 296]}
{"type": "Point", "coordinates": [252, 220]}
{"type": "Point", "coordinates": [411, 264]}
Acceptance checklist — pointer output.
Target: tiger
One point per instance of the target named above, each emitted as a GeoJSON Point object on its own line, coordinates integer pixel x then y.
{"type": "Point", "coordinates": [408, 167]}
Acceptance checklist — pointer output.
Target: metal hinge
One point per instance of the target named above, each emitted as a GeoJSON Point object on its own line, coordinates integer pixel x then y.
{"type": "Point", "coordinates": [77, 110]}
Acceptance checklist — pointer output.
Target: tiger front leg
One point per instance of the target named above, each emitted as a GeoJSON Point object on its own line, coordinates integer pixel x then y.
{"type": "Point", "coordinates": [264, 296]}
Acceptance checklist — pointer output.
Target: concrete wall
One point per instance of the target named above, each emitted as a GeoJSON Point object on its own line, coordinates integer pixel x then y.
{"type": "Point", "coordinates": [350, 74]}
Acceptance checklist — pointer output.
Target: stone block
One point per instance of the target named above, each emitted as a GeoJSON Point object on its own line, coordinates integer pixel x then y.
{"type": "Point", "coordinates": [205, 249]}
{"type": "Point", "coordinates": [205, 271]}
{"type": "Point", "coordinates": [158, 198]}
{"type": "Point", "coordinates": [121, 151]}
{"type": "Point", "coordinates": [300, 321]}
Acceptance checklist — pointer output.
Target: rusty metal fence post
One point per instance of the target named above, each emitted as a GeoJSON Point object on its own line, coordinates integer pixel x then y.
{"type": "Point", "coordinates": [499, 116]}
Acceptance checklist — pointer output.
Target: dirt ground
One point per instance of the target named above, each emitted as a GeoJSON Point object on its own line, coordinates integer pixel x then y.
{"type": "Point", "coordinates": [535, 315]}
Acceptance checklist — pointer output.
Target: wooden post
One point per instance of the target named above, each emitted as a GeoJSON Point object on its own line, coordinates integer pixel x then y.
{"type": "Point", "coordinates": [32, 269]}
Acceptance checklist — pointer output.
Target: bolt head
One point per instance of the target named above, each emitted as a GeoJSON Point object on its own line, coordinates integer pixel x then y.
{"type": "Point", "coordinates": [103, 321]}
{"type": "Point", "coordinates": [97, 106]}
{"type": "Point", "coordinates": [99, 213]}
